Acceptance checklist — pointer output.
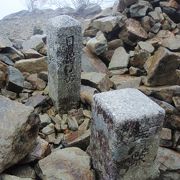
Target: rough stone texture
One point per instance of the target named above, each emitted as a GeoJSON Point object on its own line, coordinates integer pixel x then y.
{"type": "Point", "coordinates": [120, 59]}
{"type": "Point", "coordinates": [107, 24]}
{"type": "Point", "coordinates": [172, 43]}
{"type": "Point", "coordinates": [98, 44]}
{"type": "Point", "coordinates": [125, 135]}
{"type": "Point", "coordinates": [125, 81]}
{"type": "Point", "coordinates": [18, 132]}
{"type": "Point", "coordinates": [161, 68]}
{"type": "Point", "coordinates": [69, 163]}
{"type": "Point", "coordinates": [91, 63]}
{"type": "Point", "coordinates": [10, 177]}
{"type": "Point", "coordinates": [4, 42]}
{"type": "Point", "coordinates": [64, 61]}
{"type": "Point", "coordinates": [34, 65]}
{"type": "Point", "coordinates": [3, 74]}
{"type": "Point", "coordinates": [15, 80]}
{"type": "Point", "coordinates": [99, 81]}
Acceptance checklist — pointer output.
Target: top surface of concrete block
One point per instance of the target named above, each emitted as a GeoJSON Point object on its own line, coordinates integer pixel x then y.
{"type": "Point", "coordinates": [127, 104]}
{"type": "Point", "coordinates": [64, 21]}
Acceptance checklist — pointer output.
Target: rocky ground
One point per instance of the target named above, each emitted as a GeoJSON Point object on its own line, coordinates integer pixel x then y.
{"type": "Point", "coordinates": [137, 48]}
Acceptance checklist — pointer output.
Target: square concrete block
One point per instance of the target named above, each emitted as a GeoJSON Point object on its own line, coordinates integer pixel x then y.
{"type": "Point", "coordinates": [125, 135]}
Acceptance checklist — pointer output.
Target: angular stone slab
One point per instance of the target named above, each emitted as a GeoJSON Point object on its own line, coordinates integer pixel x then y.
{"type": "Point", "coordinates": [19, 128]}
{"type": "Point", "coordinates": [125, 135]}
{"type": "Point", "coordinates": [64, 41]}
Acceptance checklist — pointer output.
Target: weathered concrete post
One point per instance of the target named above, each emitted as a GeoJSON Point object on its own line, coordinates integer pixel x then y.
{"type": "Point", "coordinates": [64, 41]}
{"type": "Point", "coordinates": [125, 135]}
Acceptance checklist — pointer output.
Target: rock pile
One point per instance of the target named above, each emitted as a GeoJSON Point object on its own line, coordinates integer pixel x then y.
{"type": "Point", "coordinates": [134, 45]}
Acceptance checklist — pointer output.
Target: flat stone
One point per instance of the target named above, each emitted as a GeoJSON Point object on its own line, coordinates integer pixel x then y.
{"type": "Point", "coordinates": [31, 53]}
{"type": "Point", "coordinates": [107, 24]}
{"type": "Point", "coordinates": [32, 65]}
{"type": "Point", "coordinates": [172, 43]}
{"type": "Point", "coordinates": [128, 124]}
{"type": "Point", "coordinates": [68, 163]}
{"type": "Point", "coordinates": [10, 177]}
{"type": "Point", "coordinates": [5, 59]}
{"type": "Point", "coordinates": [9, 94]}
{"type": "Point", "coordinates": [15, 80]}
{"type": "Point", "coordinates": [120, 59]}
{"type": "Point", "coordinates": [125, 81]}
{"type": "Point", "coordinates": [80, 139]}
{"type": "Point", "coordinates": [18, 131]}
{"type": "Point", "coordinates": [72, 124]}
{"type": "Point", "coordinates": [146, 46]}
{"type": "Point", "coordinates": [45, 119]}
{"type": "Point", "coordinates": [161, 71]}
{"type": "Point", "coordinates": [164, 93]}
{"type": "Point", "coordinates": [114, 44]}
{"type": "Point", "coordinates": [36, 100]}
{"type": "Point", "coordinates": [99, 81]}
{"type": "Point", "coordinates": [49, 129]}
{"type": "Point", "coordinates": [64, 39]}
{"type": "Point", "coordinates": [168, 159]}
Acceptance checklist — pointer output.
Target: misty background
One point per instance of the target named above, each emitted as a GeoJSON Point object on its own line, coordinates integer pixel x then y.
{"type": "Point", "coordinates": [11, 6]}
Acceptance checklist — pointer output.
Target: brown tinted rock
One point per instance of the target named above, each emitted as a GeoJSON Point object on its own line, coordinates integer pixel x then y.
{"type": "Point", "coordinates": [164, 93]}
{"type": "Point", "coordinates": [161, 68]}
{"type": "Point", "coordinates": [125, 81]}
{"type": "Point", "coordinates": [18, 131]}
{"type": "Point", "coordinates": [32, 65]}
{"type": "Point", "coordinates": [134, 27]}
{"type": "Point", "coordinates": [79, 139]}
{"type": "Point", "coordinates": [68, 163]}
{"type": "Point", "coordinates": [166, 137]}
{"type": "Point", "coordinates": [114, 44]}
{"type": "Point", "coordinates": [99, 81]}
{"type": "Point", "coordinates": [36, 82]}
{"type": "Point", "coordinates": [3, 74]}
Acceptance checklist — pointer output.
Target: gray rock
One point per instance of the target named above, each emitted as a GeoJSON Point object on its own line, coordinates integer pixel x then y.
{"type": "Point", "coordinates": [140, 9]}
{"type": "Point", "coordinates": [128, 123]}
{"type": "Point", "coordinates": [35, 42]}
{"type": "Point", "coordinates": [15, 80]}
{"type": "Point", "coordinates": [120, 59]}
{"type": "Point", "coordinates": [49, 129]}
{"type": "Point", "coordinates": [35, 100]}
{"type": "Point", "coordinates": [146, 46]}
{"type": "Point", "coordinates": [4, 42]}
{"type": "Point", "coordinates": [31, 53]}
{"type": "Point", "coordinates": [64, 61]}
{"type": "Point", "coordinates": [68, 163]}
{"type": "Point", "coordinates": [98, 44]}
{"type": "Point", "coordinates": [5, 59]}
{"type": "Point", "coordinates": [91, 63]}
{"type": "Point", "coordinates": [172, 43]}
{"type": "Point", "coordinates": [18, 131]}
{"type": "Point", "coordinates": [107, 24]}
{"type": "Point", "coordinates": [45, 120]}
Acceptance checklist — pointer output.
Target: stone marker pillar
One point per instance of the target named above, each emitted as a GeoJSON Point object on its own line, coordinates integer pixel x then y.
{"type": "Point", "coordinates": [64, 42]}
{"type": "Point", "coordinates": [125, 135]}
